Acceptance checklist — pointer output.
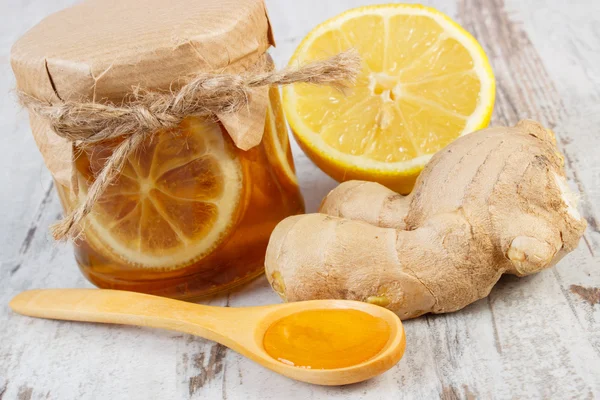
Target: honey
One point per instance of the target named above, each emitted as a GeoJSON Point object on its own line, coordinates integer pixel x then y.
{"type": "Point", "coordinates": [326, 339]}
{"type": "Point", "coordinates": [172, 168]}
{"type": "Point", "coordinates": [191, 214]}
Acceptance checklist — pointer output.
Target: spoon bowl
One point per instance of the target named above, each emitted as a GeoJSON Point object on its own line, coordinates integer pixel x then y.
{"type": "Point", "coordinates": [241, 329]}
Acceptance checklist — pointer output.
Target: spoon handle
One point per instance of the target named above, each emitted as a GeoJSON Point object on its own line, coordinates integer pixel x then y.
{"type": "Point", "coordinates": [129, 308]}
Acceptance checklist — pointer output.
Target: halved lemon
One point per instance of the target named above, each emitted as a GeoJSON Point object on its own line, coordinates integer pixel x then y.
{"type": "Point", "coordinates": [175, 201]}
{"type": "Point", "coordinates": [425, 81]}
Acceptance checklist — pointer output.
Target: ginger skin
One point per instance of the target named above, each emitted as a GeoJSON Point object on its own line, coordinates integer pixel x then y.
{"type": "Point", "coordinates": [492, 202]}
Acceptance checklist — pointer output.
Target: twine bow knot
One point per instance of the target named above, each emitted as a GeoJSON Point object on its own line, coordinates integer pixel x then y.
{"type": "Point", "coordinates": [147, 112]}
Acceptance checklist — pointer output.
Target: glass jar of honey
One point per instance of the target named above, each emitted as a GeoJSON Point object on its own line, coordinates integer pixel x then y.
{"type": "Point", "coordinates": [192, 209]}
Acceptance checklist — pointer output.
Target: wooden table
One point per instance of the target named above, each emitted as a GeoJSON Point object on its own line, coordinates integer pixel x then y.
{"type": "Point", "coordinates": [537, 337]}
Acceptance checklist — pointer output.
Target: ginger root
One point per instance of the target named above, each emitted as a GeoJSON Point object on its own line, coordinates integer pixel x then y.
{"type": "Point", "coordinates": [492, 202]}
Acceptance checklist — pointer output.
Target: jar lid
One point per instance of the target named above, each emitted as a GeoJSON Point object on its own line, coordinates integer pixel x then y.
{"type": "Point", "coordinates": [100, 50]}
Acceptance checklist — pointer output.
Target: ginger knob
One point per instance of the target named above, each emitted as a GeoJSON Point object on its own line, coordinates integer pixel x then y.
{"type": "Point", "coordinates": [490, 203]}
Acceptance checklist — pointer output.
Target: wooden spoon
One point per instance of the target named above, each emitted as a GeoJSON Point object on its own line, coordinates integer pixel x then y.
{"type": "Point", "coordinates": [241, 329]}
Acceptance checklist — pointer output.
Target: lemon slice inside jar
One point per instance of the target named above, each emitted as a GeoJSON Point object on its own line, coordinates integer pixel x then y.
{"type": "Point", "coordinates": [277, 141]}
{"type": "Point", "coordinates": [175, 201]}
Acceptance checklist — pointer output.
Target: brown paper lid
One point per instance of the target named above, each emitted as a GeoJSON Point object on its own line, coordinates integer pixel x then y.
{"type": "Point", "coordinates": [100, 49]}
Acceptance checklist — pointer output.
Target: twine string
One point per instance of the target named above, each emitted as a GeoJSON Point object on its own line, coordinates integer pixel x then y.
{"type": "Point", "coordinates": [147, 112]}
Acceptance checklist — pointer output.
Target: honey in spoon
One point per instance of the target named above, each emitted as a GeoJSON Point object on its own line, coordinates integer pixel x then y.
{"type": "Point", "coordinates": [326, 338]}
{"type": "Point", "coordinates": [326, 342]}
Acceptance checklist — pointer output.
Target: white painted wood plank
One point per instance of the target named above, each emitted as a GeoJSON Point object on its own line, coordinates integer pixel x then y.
{"type": "Point", "coordinates": [576, 73]}
{"type": "Point", "coordinates": [532, 346]}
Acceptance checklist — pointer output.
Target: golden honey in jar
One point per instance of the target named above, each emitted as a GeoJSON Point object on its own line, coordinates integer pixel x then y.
{"type": "Point", "coordinates": [192, 209]}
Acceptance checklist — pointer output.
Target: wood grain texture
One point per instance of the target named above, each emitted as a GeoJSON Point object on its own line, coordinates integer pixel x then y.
{"type": "Point", "coordinates": [537, 337]}
{"type": "Point", "coordinates": [238, 328]}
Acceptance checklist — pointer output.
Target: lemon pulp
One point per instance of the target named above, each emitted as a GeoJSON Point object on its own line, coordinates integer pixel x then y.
{"type": "Point", "coordinates": [425, 81]}
{"type": "Point", "coordinates": [174, 202]}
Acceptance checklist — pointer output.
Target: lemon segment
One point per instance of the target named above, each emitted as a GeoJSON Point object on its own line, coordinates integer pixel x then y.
{"type": "Point", "coordinates": [175, 201]}
{"type": "Point", "coordinates": [424, 82]}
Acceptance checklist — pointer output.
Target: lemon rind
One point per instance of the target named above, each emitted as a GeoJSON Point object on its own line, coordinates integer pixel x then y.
{"type": "Point", "coordinates": [479, 119]}
{"type": "Point", "coordinates": [228, 204]}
